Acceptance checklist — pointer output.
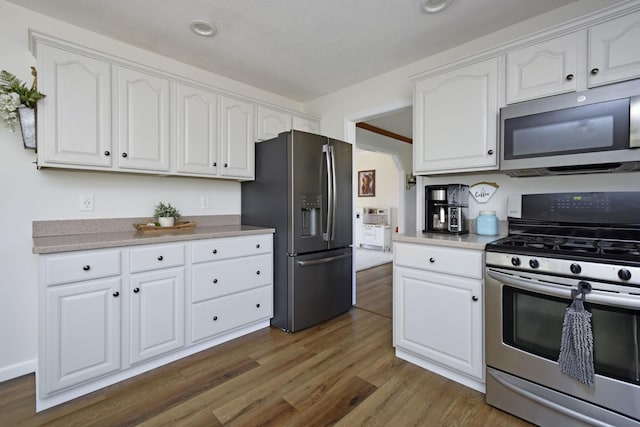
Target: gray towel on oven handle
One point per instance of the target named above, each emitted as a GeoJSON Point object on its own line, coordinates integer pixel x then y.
{"type": "Point", "coordinates": [576, 347]}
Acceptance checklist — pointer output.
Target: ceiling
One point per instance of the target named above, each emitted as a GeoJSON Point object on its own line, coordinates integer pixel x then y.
{"type": "Point", "coordinates": [300, 49]}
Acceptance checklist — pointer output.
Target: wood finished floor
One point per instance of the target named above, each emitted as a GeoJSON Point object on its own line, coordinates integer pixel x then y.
{"type": "Point", "coordinates": [341, 373]}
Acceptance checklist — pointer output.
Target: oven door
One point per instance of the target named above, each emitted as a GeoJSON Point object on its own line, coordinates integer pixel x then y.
{"type": "Point", "coordinates": [524, 317]}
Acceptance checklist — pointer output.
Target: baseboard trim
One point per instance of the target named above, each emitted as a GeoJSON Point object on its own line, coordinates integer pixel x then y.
{"type": "Point", "coordinates": [17, 370]}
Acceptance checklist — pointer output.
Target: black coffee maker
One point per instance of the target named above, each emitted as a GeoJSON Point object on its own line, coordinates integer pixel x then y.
{"type": "Point", "coordinates": [446, 208]}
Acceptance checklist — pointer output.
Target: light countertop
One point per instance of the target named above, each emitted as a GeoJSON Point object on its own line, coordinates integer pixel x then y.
{"type": "Point", "coordinates": [465, 241]}
{"type": "Point", "coordinates": [75, 235]}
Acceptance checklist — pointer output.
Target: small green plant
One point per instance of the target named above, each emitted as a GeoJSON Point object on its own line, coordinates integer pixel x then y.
{"type": "Point", "coordinates": [14, 94]}
{"type": "Point", "coordinates": [162, 210]}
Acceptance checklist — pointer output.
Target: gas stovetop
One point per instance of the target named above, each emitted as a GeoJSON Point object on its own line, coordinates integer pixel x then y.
{"type": "Point", "coordinates": [573, 248]}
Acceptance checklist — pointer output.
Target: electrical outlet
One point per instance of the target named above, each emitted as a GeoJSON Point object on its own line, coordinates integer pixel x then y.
{"type": "Point", "coordinates": [204, 202]}
{"type": "Point", "coordinates": [86, 202]}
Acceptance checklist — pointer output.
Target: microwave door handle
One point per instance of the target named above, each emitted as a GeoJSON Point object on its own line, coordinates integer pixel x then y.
{"type": "Point", "coordinates": [327, 160]}
{"type": "Point", "coordinates": [634, 122]}
{"type": "Point", "coordinates": [616, 300]}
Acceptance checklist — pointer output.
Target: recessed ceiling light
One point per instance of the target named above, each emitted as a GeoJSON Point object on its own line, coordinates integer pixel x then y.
{"type": "Point", "coordinates": [433, 6]}
{"type": "Point", "coordinates": [203, 28]}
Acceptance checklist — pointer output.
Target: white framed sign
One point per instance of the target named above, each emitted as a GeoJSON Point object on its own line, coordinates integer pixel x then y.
{"type": "Point", "coordinates": [482, 191]}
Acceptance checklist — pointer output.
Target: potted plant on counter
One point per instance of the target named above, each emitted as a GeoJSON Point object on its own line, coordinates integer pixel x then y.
{"type": "Point", "coordinates": [166, 214]}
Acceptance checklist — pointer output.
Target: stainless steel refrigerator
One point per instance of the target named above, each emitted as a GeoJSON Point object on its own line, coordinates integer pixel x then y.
{"type": "Point", "coordinates": [303, 189]}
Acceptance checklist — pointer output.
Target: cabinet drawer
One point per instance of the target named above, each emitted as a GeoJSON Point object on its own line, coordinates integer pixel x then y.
{"type": "Point", "coordinates": [74, 267]}
{"type": "Point", "coordinates": [215, 279]}
{"type": "Point", "coordinates": [223, 314]}
{"type": "Point", "coordinates": [456, 261]}
{"type": "Point", "coordinates": [157, 256]}
{"type": "Point", "coordinates": [231, 247]}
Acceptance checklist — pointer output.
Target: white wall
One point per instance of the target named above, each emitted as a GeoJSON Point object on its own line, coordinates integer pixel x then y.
{"type": "Point", "coordinates": [394, 90]}
{"type": "Point", "coordinates": [386, 182]}
{"type": "Point", "coordinates": [27, 194]}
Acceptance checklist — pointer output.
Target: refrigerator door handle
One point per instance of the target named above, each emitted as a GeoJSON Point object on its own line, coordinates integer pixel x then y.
{"type": "Point", "coordinates": [334, 195]}
{"type": "Point", "coordinates": [322, 260]}
{"type": "Point", "coordinates": [326, 234]}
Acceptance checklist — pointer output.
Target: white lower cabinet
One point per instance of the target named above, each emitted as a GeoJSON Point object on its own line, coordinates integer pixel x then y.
{"type": "Point", "coordinates": [156, 317]}
{"type": "Point", "coordinates": [109, 314]}
{"type": "Point", "coordinates": [81, 333]}
{"type": "Point", "coordinates": [438, 310]}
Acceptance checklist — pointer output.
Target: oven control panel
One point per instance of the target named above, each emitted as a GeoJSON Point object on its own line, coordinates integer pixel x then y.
{"type": "Point", "coordinates": [582, 270]}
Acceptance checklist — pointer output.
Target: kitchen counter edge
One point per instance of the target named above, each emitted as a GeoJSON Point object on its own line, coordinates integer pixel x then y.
{"type": "Point", "coordinates": [80, 242]}
{"type": "Point", "coordinates": [464, 241]}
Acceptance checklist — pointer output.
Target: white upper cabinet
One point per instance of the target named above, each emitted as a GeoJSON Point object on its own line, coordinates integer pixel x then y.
{"type": "Point", "coordinates": [74, 125]}
{"type": "Point", "coordinates": [198, 128]}
{"type": "Point", "coordinates": [542, 69]}
{"type": "Point", "coordinates": [602, 54]}
{"type": "Point", "coordinates": [272, 122]}
{"type": "Point", "coordinates": [238, 150]}
{"type": "Point", "coordinates": [306, 125]}
{"type": "Point", "coordinates": [614, 54]}
{"type": "Point", "coordinates": [141, 120]}
{"type": "Point", "coordinates": [455, 120]}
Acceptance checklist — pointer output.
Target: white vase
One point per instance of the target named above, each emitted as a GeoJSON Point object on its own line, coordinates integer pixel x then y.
{"type": "Point", "coordinates": [166, 221]}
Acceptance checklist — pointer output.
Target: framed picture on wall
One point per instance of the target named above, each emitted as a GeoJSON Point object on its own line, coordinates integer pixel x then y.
{"type": "Point", "coordinates": [367, 183]}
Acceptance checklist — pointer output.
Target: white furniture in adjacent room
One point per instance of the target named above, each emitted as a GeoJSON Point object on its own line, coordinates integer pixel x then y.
{"type": "Point", "coordinates": [372, 227]}
{"type": "Point", "coordinates": [438, 310]}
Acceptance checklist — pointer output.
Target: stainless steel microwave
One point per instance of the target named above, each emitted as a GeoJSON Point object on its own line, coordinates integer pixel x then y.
{"type": "Point", "coordinates": [596, 130]}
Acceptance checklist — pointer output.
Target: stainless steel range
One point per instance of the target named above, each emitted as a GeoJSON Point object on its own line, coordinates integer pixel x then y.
{"type": "Point", "coordinates": [556, 241]}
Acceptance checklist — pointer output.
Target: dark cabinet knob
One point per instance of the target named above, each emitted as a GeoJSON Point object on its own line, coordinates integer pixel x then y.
{"type": "Point", "coordinates": [432, 260]}
{"type": "Point", "coordinates": [595, 71]}
{"type": "Point", "coordinates": [160, 258]}
{"type": "Point", "coordinates": [107, 153]}
{"type": "Point", "coordinates": [86, 268]}
{"type": "Point", "coordinates": [257, 305]}
{"type": "Point", "coordinates": [569, 77]}
{"type": "Point", "coordinates": [225, 165]}
{"type": "Point", "coordinates": [136, 290]}
{"type": "Point", "coordinates": [215, 251]}
{"type": "Point", "coordinates": [116, 294]}
{"type": "Point", "coordinates": [258, 272]}
{"type": "Point", "coordinates": [490, 152]}
{"type": "Point", "coordinates": [215, 281]}
{"type": "Point", "coordinates": [258, 246]}
{"type": "Point", "coordinates": [215, 164]}
{"type": "Point", "coordinates": [124, 154]}
{"type": "Point", "coordinates": [215, 318]}
{"type": "Point", "coordinates": [475, 298]}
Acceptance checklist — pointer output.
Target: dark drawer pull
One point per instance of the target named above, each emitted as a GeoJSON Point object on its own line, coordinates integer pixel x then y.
{"type": "Point", "coordinates": [475, 298]}
{"type": "Point", "coordinates": [160, 258]}
{"type": "Point", "coordinates": [107, 153]}
{"type": "Point", "coordinates": [258, 305]}
{"type": "Point", "coordinates": [215, 281]}
{"type": "Point", "coordinates": [432, 260]}
{"type": "Point", "coordinates": [86, 268]}
{"type": "Point", "coordinates": [595, 71]}
{"type": "Point", "coordinates": [136, 290]}
{"type": "Point", "coordinates": [116, 294]}
{"type": "Point", "coordinates": [258, 272]}
{"type": "Point", "coordinates": [215, 164]}
{"type": "Point", "coordinates": [215, 251]}
{"type": "Point", "coordinates": [215, 318]}
{"type": "Point", "coordinates": [124, 155]}
{"type": "Point", "coordinates": [569, 77]}
{"type": "Point", "coordinates": [258, 246]}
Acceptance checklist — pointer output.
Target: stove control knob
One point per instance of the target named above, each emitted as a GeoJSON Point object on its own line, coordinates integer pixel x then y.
{"type": "Point", "coordinates": [534, 263]}
{"type": "Point", "coordinates": [575, 268]}
{"type": "Point", "coordinates": [515, 261]}
{"type": "Point", "coordinates": [624, 274]}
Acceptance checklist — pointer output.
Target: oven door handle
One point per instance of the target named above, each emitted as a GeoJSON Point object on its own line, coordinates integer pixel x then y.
{"type": "Point", "coordinates": [610, 299]}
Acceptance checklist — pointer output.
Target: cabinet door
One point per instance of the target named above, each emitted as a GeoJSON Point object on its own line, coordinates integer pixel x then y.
{"type": "Point", "coordinates": [613, 50]}
{"type": "Point", "coordinates": [141, 120]}
{"type": "Point", "coordinates": [82, 332]}
{"type": "Point", "coordinates": [306, 125]}
{"type": "Point", "coordinates": [156, 313]}
{"type": "Point", "coordinates": [455, 120]}
{"type": "Point", "coordinates": [198, 131]}
{"type": "Point", "coordinates": [238, 151]}
{"type": "Point", "coordinates": [439, 317]}
{"type": "Point", "coordinates": [271, 123]}
{"type": "Point", "coordinates": [74, 120]}
{"type": "Point", "coordinates": [544, 69]}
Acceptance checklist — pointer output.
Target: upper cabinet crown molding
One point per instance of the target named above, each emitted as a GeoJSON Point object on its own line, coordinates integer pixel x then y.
{"type": "Point", "coordinates": [100, 106]}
